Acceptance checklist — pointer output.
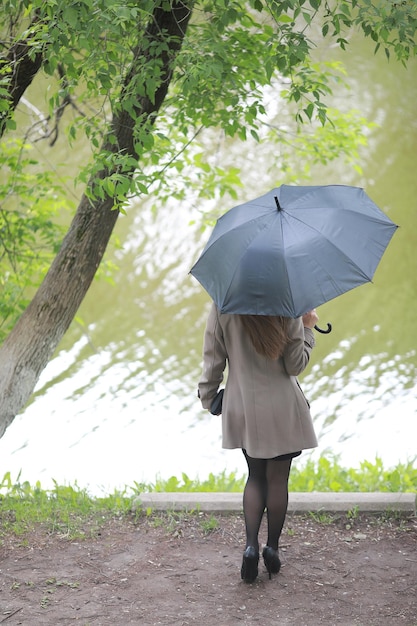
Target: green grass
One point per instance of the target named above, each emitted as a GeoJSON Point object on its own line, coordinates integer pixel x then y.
{"type": "Point", "coordinates": [60, 510]}
{"type": "Point", "coordinates": [325, 474]}
{"type": "Point", "coordinates": [65, 509]}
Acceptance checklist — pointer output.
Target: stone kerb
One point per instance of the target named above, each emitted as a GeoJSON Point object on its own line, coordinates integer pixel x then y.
{"type": "Point", "coordinates": [298, 502]}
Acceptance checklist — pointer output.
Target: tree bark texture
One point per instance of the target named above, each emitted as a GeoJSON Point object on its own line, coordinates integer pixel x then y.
{"type": "Point", "coordinates": [23, 70]}
{"type": "Point", "coordinates": [32, 342]}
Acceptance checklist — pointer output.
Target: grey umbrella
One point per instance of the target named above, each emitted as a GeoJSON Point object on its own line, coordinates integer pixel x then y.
{"type": "Point", "coordinates": [293, 249]}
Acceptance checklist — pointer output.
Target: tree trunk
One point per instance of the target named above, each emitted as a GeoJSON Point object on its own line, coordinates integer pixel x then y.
{"type": "Point", "coordinates": [23, 68]}
{"type": "Point", "coordinates": [33, 340]}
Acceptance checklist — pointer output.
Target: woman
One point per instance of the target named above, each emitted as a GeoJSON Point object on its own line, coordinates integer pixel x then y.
{"type": "Point", "coordinates": [264, 412]}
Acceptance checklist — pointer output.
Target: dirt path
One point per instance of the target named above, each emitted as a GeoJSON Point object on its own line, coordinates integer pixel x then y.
{"type": "Point", "coordinates": [178, 570]}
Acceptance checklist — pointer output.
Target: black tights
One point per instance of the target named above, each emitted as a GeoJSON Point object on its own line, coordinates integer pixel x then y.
{"type": "Point", "coordinates": [266, 487]}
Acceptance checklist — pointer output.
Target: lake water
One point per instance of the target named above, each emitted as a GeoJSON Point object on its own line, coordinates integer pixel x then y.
{"type": "Point", "coordinates": [117, 404]}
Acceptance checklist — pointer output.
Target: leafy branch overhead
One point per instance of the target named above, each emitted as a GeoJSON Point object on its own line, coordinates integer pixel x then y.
{"type": "Point", "coordinates": [231, 52]}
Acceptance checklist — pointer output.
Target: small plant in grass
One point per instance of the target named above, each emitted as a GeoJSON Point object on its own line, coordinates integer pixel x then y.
{"type": "Point", "coordinates": [391, 515]}
{"type": "Point", "coordinates": [210, 524]}
{"type": "Point", "coordinates": [45, 601]}
{"type": "Point", "coordinates": [351, 516]}
{"type": "Point", "coordinates": [173, 521]}
{"type": "Point", "coordinates": [157, 521]}
{"type": "Point", "coordinates": [353, 513]}
{"type": "Point", "coordinates": [322, 517]}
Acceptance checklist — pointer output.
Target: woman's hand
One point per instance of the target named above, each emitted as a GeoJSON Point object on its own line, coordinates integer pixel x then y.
{"type": "Point", "coordinates": [310, 319]}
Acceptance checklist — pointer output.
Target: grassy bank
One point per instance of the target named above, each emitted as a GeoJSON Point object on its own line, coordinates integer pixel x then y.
{"type": "Point", "coordinates": [65, 509]}
{"type": "Point", "coordinates": [326, 474]}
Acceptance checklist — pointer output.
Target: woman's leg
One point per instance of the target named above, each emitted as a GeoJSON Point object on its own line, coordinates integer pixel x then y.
{"type": "Point", "coordinates": [277, 474]}
{"type": "Point", "coordinates": [254, 498]}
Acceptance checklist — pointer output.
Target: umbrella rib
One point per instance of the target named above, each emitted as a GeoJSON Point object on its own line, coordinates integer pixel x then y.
{"type": "Point", "coordinates": [237, 265]}
{"type": "Point", "coordinates": [285, 264]}
{"type": "Point", "coordinates": [319, 232]}
{"type": "Point", "coordinates": [360, 270]}
{"type": "Point", "coordinates": [375, 218]}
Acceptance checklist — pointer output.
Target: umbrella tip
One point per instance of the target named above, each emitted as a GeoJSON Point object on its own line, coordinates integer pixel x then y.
{"type": "Point", "coordinates": [277, 203]}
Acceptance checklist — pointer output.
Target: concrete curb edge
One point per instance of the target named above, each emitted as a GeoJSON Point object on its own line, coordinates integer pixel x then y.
{"type": "Point", "coordinates": [376, 502]}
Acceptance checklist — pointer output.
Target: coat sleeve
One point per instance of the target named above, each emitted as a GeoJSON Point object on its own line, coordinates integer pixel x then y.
{"type": "Point", "coordinates": [214, 359]}
{"type": "Point", "coordinates": [297, 353]}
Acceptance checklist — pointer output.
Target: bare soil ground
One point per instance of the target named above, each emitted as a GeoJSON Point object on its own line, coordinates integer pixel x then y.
{"type": "Point", "coordinates": [185, 569]}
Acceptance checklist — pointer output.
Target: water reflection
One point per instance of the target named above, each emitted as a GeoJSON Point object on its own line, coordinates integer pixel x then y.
{"type": "Point", "coordinates": [365, 408]}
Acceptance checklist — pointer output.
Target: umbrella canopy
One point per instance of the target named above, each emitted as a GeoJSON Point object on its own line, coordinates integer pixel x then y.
{"type": "Point", "coordinates": [292, 249]}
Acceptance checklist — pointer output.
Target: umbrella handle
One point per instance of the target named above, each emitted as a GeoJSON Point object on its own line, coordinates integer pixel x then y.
{"type": "Point", "coordinates": [325, 332]}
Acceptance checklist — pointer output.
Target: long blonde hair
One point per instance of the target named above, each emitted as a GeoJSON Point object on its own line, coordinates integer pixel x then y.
{"type": "Point", "coordinates": [267, 333]}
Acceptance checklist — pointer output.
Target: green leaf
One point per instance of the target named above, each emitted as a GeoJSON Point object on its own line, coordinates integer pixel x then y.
{"type": "Point", "coordinates": [309, 110]}
{"type": "Point", "coordinates": [285, 19]}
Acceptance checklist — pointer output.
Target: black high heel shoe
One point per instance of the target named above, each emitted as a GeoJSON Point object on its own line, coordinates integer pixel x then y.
{"type": "Point", "coordinates": [271, 560]}
{"type": "Point", "coordinates": [249, 570]}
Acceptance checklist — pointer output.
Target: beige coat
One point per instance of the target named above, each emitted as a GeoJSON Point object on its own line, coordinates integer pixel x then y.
{"type": "Point", "coordinates": [264, 409]}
